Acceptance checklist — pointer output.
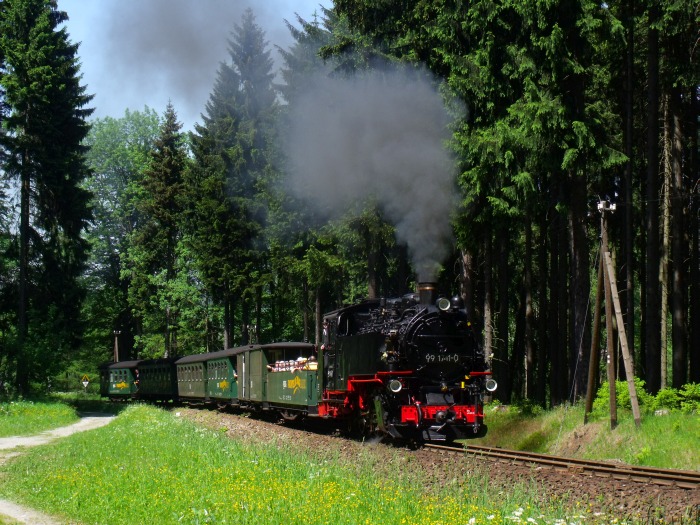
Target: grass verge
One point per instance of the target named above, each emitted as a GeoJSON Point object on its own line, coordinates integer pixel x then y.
{"type": "Point", "coordinates": [113, 475]}
{"type": "Point", "coordinates": [671, 440]}
{"type": "Point", "coordinates": [23, 418]}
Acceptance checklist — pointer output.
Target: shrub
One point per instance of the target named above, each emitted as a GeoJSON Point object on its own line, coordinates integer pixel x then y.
{"type": "Point", "coordinates": [690, 397]}
{"type": "Point", "coordinates": [667, 398]}
{"type": "Point", "coordinates": [687, 399]}
{"type": "Point", "coordinates": [602, 404]}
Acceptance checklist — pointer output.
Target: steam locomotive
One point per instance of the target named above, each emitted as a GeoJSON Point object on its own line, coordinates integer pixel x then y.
{"type": "Point", "coordinates": [409, 367]}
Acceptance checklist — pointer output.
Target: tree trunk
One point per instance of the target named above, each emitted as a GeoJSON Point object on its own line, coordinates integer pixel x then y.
{"type": "Point", "coordinates": [245, 321]}
{"type": "Point", "coordinates": [372, 278]}
{"type": "Point", "coordinates": [580, 287]}
{"type": "Point", "coordinates": [258, 314]}
{"type": "Point", "coordinates": [629, 226]}
{"type": "Point", "coordinates": [488, 295]}
{"type": "Point", "coordinates": [275, 308]}
{"type": "Point", "coordinates": [529, 314]}
{"type": "Point", "coordinates": [22, 377]}
{"type": "Point", "coordinates": [652, 307]}
{"type": "Point", "coordinates": [501, 343]}
{"type": "Point", "coordinates": [543, 317]}
{"type": "Point", "coordinates": [305, 292]}
{"type": "Point", "coordinates": [694, 221]}
{"type": "Point", "coordinates": [467, 283]}
{"type": "Point", "coordinates": [166, 335]}
{"type": "Point", "coordinates": [319, 318]}
{"type": "Point", "coordinates": [228, 321]}
{"type": "Point", "coordinates": [665, 242]}
{"type": "Point", "coordinates": [557, 312]}
{"type": "Point", "coordinates": [563, 314]}
{"type": "Point", "coordinates": [517, 360]}
{"type": "Point", "coordinates": [678, 248]}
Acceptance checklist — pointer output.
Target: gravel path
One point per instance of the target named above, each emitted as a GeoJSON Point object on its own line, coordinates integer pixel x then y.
{"type": "Point", "coordinates": [13, 446]}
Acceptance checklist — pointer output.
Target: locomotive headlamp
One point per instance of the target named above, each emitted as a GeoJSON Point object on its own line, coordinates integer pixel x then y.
{"type": "Point", "coordinates": [443, 304]}
{"type": "Point", "coordinates": [491, 385]}
{"type": "Point", "coordinates": [395, 386]}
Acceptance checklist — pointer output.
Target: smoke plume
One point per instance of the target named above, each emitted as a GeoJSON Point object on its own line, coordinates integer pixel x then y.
{"type": "Point", "coordinates": [380, 136]}
{"type": "Point", "coordinates": [172, 49]}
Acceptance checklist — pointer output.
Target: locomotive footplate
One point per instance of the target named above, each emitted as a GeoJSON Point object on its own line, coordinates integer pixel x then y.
{"type": "Point", "coordinates": [452, 432]}
{"type": "Point", "coordinates": [437, 432]}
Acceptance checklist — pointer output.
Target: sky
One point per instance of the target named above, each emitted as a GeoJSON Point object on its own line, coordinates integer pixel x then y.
{"type": "Point", "coordinates": [137, 53]}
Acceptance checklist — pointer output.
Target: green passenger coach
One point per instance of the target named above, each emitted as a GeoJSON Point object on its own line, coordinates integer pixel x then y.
{"type": "Point", "coordinates": [209, 377]}
{"type": "Point", "coordinates": [222, 379]}
{"type": "Point", "coordinates": [157, 381]}
{"type": "Point", "coordinates": [279, 376]}
{"type": "Point", "coordinates": [119, 380]}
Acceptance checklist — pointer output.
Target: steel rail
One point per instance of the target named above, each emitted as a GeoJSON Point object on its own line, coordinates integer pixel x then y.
{"type": "Point", "coordinates": [685, 479]}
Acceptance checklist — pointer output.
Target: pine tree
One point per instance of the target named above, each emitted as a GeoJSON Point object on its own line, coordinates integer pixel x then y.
{"type": "Point", "coordinates": [44, 106]}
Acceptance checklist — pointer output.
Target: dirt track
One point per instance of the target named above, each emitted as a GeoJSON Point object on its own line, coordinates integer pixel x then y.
{"type": "Point", "coordinates": [13, 446]}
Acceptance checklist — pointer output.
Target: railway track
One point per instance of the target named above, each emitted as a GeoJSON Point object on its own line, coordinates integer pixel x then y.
{"type": "Point", "coordinates": [685, 479]}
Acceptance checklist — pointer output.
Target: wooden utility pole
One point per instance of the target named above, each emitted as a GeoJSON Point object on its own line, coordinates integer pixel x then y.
{"type": "Point", "coordinates": [605, 207]}
{"type": "Point", "coordinates": [606, 277]}
{"type": "Point", "coordinates": [593, 360]}
{"type": "Point", "coordinates": [116, 345]}
{"type": "Point", "coordinates": [626, 357]}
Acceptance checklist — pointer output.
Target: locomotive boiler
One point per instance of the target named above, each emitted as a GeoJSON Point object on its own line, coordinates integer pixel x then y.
{"type": "Point", "coordinates": [409, 367]}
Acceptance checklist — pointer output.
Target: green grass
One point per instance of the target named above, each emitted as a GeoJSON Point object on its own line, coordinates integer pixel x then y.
{"type": "Point", "coordinates": [22, 418]}
{"type": "Point", "coordinates": [666, 441]}
{"type": "Point", "coordinates": [200, 476]}
{"type": "Point", "coordinates": [87, 402]}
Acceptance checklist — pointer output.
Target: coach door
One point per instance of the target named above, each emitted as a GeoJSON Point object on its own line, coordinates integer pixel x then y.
{"type": "Point", "coordinates": [241, 363]}
{"type": "Point", "coordinates": [256, 384]}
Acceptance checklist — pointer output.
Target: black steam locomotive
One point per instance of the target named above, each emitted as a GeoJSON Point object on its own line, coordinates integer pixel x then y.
{"type": "Point", "coordinates": [409, 367]}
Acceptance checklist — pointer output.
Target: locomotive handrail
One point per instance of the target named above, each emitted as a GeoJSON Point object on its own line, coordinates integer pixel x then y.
{"type": "Point", "coordinates": [396, 373]}
{"type": "Point", "coordinates": [439, 336]}
{"type": "Point", "coordinates": [375, 380]}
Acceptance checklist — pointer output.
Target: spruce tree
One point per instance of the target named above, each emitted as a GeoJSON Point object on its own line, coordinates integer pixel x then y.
{"type": "Point", "coordinates": [44, 124]}
{"type": "Point", "coordinates": [150, 263]}
{"type": "Point", "coordinates": [232, 166]}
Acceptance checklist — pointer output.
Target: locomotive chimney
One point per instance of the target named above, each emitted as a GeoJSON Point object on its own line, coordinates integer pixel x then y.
{"type": "Point", "coordinates": [427, 293]}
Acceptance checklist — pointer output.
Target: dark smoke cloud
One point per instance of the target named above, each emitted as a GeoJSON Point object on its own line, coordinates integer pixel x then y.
{"type": "Point", "coordinates": [173, 48]}
{"type": "Point", "coordinates": [379, 137]}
